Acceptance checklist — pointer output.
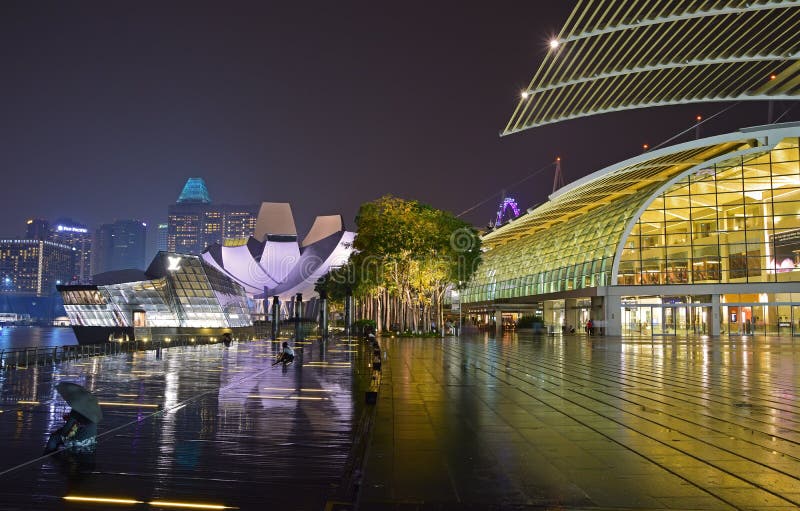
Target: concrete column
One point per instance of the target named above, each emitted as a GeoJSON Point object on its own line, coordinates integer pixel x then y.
{"type": "Point", "coordinates": [613, 315]}
{"type": "Point", "coordinates": [348, 314]}
{"type": "Point", "coordinates": [598, 313]}
{"type": "Point", "coordinates": [549, 317]}
{"type": "Point", "coordinates": [323, 315]}
{"type": "Point", "coordinates": [571, 313]}
{"type": "Point", "coordinates": [298, 316]}
{"type": "Point", "coordinates": [498, 321]}
{"type": "Point", "coordinates": [716, 312]}
{"type": "Point", "coordinates": [276, 317]}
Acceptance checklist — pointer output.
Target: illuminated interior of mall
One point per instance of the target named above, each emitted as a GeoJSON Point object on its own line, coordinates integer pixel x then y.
{"type": "Point", "coordinates": [701, 238]}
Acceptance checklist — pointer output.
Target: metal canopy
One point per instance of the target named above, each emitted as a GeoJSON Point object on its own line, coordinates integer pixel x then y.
{"type": "Point", "coordinates": [611, 184]}
{"type": "Point", "coordinates": [612, 56]}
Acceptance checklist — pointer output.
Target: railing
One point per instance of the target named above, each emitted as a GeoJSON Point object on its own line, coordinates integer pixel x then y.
{"type": "Point", "coordinates": [27, 357]}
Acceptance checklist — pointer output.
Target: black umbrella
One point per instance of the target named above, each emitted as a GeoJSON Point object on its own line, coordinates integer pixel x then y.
{"type": "Point", "coordinates": [81, 400]}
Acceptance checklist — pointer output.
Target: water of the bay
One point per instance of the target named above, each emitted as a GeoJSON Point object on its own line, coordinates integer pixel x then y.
{"type": "Point", "coordinates": [16, 337]}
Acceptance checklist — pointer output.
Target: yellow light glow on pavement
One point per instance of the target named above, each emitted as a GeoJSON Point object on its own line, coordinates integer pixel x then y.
{"type": "Point", "coordinates": [188, 505]}
{"type": "Point", "coordinates": [102, 500]}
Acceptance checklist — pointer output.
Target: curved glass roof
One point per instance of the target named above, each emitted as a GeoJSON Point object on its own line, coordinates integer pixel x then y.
{"type": "Point", "coordinates": [613, 56]}
{"type": "Point", "coordinates": [570, 242]}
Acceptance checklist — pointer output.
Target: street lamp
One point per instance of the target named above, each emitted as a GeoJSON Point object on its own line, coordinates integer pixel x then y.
{"type": "Point", "coordinates": [459, 308]}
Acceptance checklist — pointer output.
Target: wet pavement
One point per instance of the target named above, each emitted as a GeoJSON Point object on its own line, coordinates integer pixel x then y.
{"type": "Point", "coordinates": [519, 423]}
{"type": "Point", "coordinates": [202, 425]}
{"type": "Point", "coordinates": [574, 423]}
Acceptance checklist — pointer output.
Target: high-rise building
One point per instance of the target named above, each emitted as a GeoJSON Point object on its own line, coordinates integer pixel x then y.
{"type": "Point", "coordinates": [37, 229]}
{"type": "Point", "coordinates": [195, 223]}
{"type": "Point", "coordinates": [30, 270]}
{"type": "Point", "coordinates": [156, 241]}
{"type": "Point", "coordinates": [119, 246]}
{"type": "Point", "coordinates": [75, 235]}
{"type": "Point", "coordinates": [186, 218]}
{"type": "Point", "coordinates": [162, 237]}
{"type": "Point", "coordinates": [35, 267]}
{"type": "Point", "coordinates": [239, 223]}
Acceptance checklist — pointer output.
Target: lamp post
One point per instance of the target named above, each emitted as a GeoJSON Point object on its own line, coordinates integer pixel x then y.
{"type": "Point", "coordinates": [459, 309]}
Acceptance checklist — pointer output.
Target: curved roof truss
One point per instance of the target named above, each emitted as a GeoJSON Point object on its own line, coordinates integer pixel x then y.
{"type": "Point", "coordinates": [612, 56]}
{"type": "Point", "coordinates": [630, 176]}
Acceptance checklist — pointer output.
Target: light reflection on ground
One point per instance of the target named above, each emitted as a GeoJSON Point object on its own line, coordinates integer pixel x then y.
{"type": "Point", "coordinates": [185, 427]}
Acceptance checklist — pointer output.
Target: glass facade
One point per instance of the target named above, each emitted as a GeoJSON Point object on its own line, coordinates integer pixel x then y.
{"type": "Point", "coordinates": [192, 295]}
{"type": "Point", "coordinates": [702, 240]}
{"type": "Point", "coordinates": [736, 222]}
{"type": "Point", "coordinates": [571, 255]}
{"type": "Point", "coordinates": [570, 242]}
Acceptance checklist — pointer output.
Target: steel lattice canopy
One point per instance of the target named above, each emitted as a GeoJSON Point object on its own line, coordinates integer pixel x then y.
{"type": "Point", "coordinates": [612, 56]}
{"type": "Point", "coordinates": [618, 181]}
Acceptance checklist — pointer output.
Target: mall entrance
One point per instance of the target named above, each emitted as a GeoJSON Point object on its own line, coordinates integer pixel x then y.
{"type": "Point", "coordinates": [657, 318]}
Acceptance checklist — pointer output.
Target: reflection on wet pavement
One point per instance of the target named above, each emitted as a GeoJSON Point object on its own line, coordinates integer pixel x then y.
{"type": "Point", "coordinates": [552, 422]}
{"type": "Point", "coordinates": [199, 425]}
{"type": "Point", "coordinates": [522, 422]}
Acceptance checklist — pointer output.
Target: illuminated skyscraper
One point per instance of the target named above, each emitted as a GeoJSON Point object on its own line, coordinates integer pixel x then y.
{"type": "Point", "coordinates": [162, 237]}
{"type": "Point", "coordinates": [194, 223]}
{"type": "Point", "coordinates": [75, 235]}
{"type": "Point", "coordinates": [34, 267]}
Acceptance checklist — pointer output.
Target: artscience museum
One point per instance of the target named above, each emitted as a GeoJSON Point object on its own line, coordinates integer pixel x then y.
{"type": "Point", "coordinates": [275, 264]}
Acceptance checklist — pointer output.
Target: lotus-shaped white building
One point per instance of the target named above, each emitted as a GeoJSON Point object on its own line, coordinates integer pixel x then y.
{"type": "Point", "coordinates": [273, 262]}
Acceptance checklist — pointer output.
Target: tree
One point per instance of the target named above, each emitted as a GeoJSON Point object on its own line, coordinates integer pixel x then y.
{"type": "Point", "coordinates": [406, 255]}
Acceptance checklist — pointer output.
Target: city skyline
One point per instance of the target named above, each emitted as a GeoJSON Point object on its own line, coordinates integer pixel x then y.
{"type": "Point", "coordinates": [281, 103]}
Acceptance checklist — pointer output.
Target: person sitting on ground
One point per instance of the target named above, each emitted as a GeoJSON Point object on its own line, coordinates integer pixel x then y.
{"type": "Point", "coordinates": [286, 355]}
{"type": "Point", "coordinates": [78, 433]}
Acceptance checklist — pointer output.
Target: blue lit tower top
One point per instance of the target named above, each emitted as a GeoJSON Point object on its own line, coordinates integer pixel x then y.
{"type": "Point", "coordinates": [195, 191]}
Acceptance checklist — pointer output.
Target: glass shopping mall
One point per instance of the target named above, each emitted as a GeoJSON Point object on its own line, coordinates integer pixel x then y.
{"type": "Point", "coordinates": [701, 238]}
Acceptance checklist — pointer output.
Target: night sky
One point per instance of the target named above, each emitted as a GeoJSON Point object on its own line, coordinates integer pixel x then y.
{"type": "Point", "coordinates": [106, 108]}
